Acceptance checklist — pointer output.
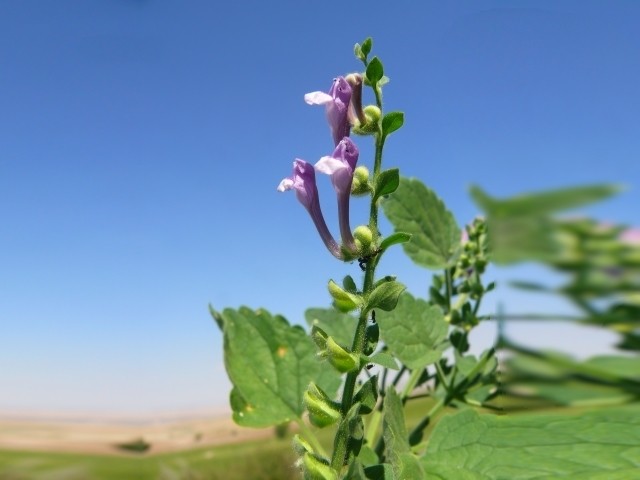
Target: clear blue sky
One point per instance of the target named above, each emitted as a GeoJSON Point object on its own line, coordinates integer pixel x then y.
{"type": "Point", "coordinates": [141, 143]}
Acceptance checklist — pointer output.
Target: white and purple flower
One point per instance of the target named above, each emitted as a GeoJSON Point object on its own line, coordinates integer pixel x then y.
{"type": "Point", "coordinates": [303, 181]}
{"type": "Point", "coordinates": [337, 103]}
{"type": "Point", "coordinates": [340, 165]}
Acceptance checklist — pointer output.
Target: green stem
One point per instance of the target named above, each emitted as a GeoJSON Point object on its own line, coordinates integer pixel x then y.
{"type": "Point", "coordinates": [411, 383]}
{"type": "Point", "coordinates": [448, 288]}
{"type": "Point", "coordinates": [430, 414]}
{"type": "Point", "coordinates": [340, 450]}
{"type": "Point", "coordinates": [373, 427]}
{"type": "Point", "coordinates": [309, 436]}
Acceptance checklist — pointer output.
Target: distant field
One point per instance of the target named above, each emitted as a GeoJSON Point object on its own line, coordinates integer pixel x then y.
{"type": "Point", "coordinates": [265, 458]}
{"type": "Point", "coordinates": [262, 460]}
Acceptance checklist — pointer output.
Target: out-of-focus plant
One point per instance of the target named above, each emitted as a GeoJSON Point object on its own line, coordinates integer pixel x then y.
{"type": "Point", "coordinates": [600, 265]}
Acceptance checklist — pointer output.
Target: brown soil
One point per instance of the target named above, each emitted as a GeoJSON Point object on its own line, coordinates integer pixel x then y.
{"type": "Point", "coordinates": [102, 436]}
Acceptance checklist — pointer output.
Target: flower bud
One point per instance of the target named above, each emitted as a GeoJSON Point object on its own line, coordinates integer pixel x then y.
{"type": "Point", "coordinates": [300, 445]}
{"type": "Point", "coordinates": [356, 113]}
{"type": "Point", "coordinates": [363, 238]}
{"type": "Point", "coordinates": [316, 468]}
{"type": "Point", "coordinates": [342, 360]}
{"type": "Point", "coordinates": [343, 300]}
{"type": "Point", "coordinates": [373, 113]}
{"type": "Point", "coordinates": [322, 411]}
{"type": "Point", "coordinates": [360, 184]}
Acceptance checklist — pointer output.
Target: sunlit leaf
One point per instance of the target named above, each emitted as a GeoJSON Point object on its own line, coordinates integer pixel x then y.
{"type": "Point", "coordinates": [414, 331]}
{"type": "Point", "coordinates": [601, 444]}
{"type": "Point", "coordinates": [416, 210]}
{"type": "Point", "coordinates": [270, 364]}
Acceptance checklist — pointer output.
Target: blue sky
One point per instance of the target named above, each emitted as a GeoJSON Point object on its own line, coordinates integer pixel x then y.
{"type": "Point", "coordinates": [141, 143]}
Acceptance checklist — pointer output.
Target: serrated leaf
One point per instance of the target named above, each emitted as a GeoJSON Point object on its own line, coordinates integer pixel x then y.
{"type": "Point", "coordinates": [270, 364]}
{"type": "Point", "coordinates": [394, 239]}
{"type": "Point", "coordinates": [385, 296]}
{"type": "Point", "coordinates": [391, 122]}
{"type": "Point", "coordinates": [414, 331]}
{"type": "Point", "coordinates": [386, 183]}
{"type": "Point", "coordinates": [340, 326]}
{"type": "Point", "coordinates": [601, 444]}
{"type": "Point", "coordinates": [415, 209]}
{"type": "Point", "coordinates": [375, 71]}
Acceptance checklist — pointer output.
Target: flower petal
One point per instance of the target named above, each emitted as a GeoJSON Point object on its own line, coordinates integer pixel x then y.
{"type": "Point", "coordinates": [329, 165]}
{"type": "Point", "coordinates": [285, 184]}
{"type": "Point", "coordinates": [318, 98]}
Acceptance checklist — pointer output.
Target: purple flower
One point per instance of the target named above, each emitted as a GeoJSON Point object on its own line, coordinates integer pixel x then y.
{"type": "Point", "coordinates": [340, 165]}
{"type": "Point", "coordinates": [337, 102]}
{"type": "Point", "coordinates": [303, 181]}
{"type": "Point", "coordinates": [631, 236]}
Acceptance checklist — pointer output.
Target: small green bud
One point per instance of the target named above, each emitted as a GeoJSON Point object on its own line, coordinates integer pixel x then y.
{"type": "Point", "coordinates": [372, 113]}
{"type": "Point", "coordinates": [361, 173]}
{"type": "Point", "coordinates": [300, 445]}
{"type": "Point", "coordinates": [363, 238]}
{"type": "Point", "coordinates": [342, 360]}
{"type": "Point", "coordinates": [343, 300]}
{"type": "Point", "coordinates": [322, 411]}
{"type": "Point", "coordinates": [319, 337]}
{"type": "Point", "coordinates": [360, 184]}
{"type": "Point", "coordinates": [316, 468]}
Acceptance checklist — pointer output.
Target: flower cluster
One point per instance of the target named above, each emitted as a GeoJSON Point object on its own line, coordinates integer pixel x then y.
{"type": "Point", "coordinates": [340, 165]}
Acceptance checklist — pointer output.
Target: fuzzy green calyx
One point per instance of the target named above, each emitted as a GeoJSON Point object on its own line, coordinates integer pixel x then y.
{"type": "Point", "coordinates": [322, 410]}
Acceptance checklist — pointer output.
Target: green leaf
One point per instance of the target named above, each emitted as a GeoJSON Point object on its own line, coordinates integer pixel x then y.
{"type": "Point", "coordinates": [414, 331]}
{"type": "Point", "coordinates": [367, 395]}
{"type": "Point", "coordinates": [270, 364]}
{"type": "Point", "coordinates": [375, 71]}
{"type": "Point", "coordinates": [573, 393]}
{"type": "Point", "coordinates": [383, 471]}
{"type": "Point", "coordinates": [338, 325]}
{"type": "Point", "coordinates": [394, 238]}
{"type": "Point", "coordinates": [371, 337]}
{"type": "Point", "coordinates": [396, 442]}
{"type": "Point", "coordinates": [384, 359]}
{"type": "Point", "coordinates": [366, 46]}
{"type": "Point", "coordinates": [349, 284]}
{"type": "Point", "coordinates": [416, 210]}
{"type": "Point", "coordinates": [602, 444]}
{"type": "Point", "coordinates": [391, 122]}
{"type": "Point", "coordinates": [521, 228]}
{"type": "Point", "coordinates": [543, 203]}
{"type": "Point", "coordinates": [386, 183]}
{"type": "Point", "coordinates": [385, 296]}
{"type": "Point", "coordinates": [621, 367]}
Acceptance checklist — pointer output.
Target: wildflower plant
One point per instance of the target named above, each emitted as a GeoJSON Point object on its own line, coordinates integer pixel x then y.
{"type": "Point", "coordinates": [378, 349]}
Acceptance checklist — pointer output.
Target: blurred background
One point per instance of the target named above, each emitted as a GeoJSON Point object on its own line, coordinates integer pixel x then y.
{"type": "Point", "coordinates": [142, 141]}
